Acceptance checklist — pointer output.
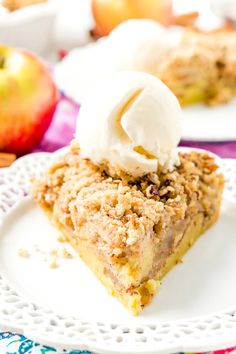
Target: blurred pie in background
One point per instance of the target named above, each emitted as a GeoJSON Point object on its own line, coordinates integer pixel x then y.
{"type": "Point", "coordinates": [199, 68]}
{"type": "Point", "coordinates": [202, 67]}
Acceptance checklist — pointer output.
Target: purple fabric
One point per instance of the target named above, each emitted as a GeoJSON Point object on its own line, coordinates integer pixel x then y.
{"type": "Point", "coordinates": [62, 129]}
{"type": "Point", "coordinates": [223, 149]}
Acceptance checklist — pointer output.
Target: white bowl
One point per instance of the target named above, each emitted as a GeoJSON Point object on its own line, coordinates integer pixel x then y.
{"type": "Point", "coordinates": [31, 27]}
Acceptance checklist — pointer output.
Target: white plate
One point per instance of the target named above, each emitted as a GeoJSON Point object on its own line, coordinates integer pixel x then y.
{"type": "Point", "coordinates": [67, 307]}
{"type": "Point", "coordinates": [205, 123]}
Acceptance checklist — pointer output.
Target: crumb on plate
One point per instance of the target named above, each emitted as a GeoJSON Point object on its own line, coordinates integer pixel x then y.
{"type": "Point", "coordinates": [53, 252]}
{"type": "Point", "coordinates": [23, 253]}
{"type": "Point", "coordinates": [53, 263]}
{"type": "Point", "coordinates": [61, 238]}
{"type": "Point", "coordinates": [66, 253]}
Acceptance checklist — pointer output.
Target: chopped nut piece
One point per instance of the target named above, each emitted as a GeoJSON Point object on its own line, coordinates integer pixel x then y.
{"type": "Point", "coordinates": [153, 177]}
{"type": "Point", "coordinates": [151, 191]}
{"type": "Point", "coordinates": [166, 190]}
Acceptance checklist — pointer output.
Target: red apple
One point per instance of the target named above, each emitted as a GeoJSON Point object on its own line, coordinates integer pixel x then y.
{"type": "Point", "coordinates": [109, 13]}
{"type": "Point", "coordinates": [28, 98]}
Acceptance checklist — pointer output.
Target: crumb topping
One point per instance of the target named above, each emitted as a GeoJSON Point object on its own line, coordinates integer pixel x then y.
{"type": "Point", "coordinates": [120, 211]}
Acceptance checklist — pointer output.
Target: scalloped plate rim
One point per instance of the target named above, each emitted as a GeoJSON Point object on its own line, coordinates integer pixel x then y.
{"type": "Point", "coordinates": [222, 340]}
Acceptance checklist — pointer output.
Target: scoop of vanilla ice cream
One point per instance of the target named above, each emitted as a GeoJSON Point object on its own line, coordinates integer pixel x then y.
{"type": "Point", "coordinates": [137, 44]}
{"type": "Point", "coordinates": [132, 121]}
